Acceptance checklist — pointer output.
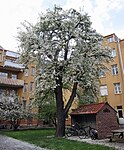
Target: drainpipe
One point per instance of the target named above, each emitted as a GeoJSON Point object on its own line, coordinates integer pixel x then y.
{"type": "Point", "coordinates": [120, 56]}
{"type": "Point", "coordinates": [122, 71]}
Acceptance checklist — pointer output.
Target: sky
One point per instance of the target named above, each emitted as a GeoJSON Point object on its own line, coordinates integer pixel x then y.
{"type": "Point", "coordinates": [107, 16]}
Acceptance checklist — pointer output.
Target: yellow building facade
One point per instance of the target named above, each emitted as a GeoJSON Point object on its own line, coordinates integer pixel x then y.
{"type": "Point", "coordinates": [15, 79]}
{"type": "Point", "coordinates": [112, 80]}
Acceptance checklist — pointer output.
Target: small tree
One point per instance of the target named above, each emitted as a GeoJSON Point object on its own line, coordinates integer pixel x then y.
{"type": "Point", "coordinates": [47, 108]}
{"type": "Point", "coordinates": [11, 111]}
{"type": "Point", "coordinates": [70, 54]}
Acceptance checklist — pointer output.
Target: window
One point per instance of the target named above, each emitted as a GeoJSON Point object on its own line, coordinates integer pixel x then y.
{"type": "Point", "coordinates": [31, 86]}
{"type": "Point", "coordinates": [30, 104]}
{"type": "Point", "coordinates": [113, 54]}
{"type": "Point", "coordinates": [117, 88]}
{"type": "Point", "coordinates": [3, 75]}
{"type": "Point", "coordinates": [40, 71]}
{"type": "Point", "coordinates": [26, 72]}
{"type": "Point", "coordinates": [120, 111]}
{"type": "Point", "coordinates": [25, 87]}
{"type": "Point", "coordinates": [102, 74]}
{"type": "Point", "coordinates": [14, 76]}
{"type": "Point", "coordinates": [2, 92]}
{"type": "Point", "coordinates": [114, 69]}
{"type": "Point", "coordinates": [1, 57]}
{"type": "Point", "coordinates": [110, 39]}
{"type": "Point", "coordinates": [103, 90]}
{"type": "Point", "coordinates": [23, 104]}
{"type": "Point", "coordinates": [32, 71]}
{"type": "Point", "coordinates": [12, 93]}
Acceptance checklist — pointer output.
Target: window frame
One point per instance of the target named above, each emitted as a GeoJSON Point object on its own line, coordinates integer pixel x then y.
{"type": "Point", "coordinates": [26, 72]}
{"type": "Point", "coordinates": [104, 89]}
{"type": "Point", "coordinates": [110, 39]}
{"type": "Point", "coordinates": [31, 86]}
{"type": "Point", "coordinates": [24, 104]}
{"type": "Point", "coordinates": [3, 75]}
{"type": "Point", "coordinates": [25, 87]}
{"type": "Point", "coordinates": [14, 76]}
{"type": "Point", "coordinates": [120, 111]}
{"type": "Point", "coordinates": [32, 71]}
{"type": "Point", "coordinates": [113, 53]}
{"type": "Point", "coordinates": [117, 88]}
{"type": "Point", "coordinates": [114, 69]}
{"type": "Point", "coordinates": [101, 74]}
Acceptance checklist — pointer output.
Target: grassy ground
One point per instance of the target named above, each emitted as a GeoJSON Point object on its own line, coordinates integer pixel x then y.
{"type": "Point", "coordinates": [44, 139]}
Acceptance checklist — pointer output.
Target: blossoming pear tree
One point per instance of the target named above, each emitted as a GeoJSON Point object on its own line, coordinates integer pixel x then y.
{"type": "Point", "coordinates": [69, 54]}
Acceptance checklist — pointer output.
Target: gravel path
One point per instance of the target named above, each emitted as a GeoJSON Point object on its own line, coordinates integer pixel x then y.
{"type": "Point", "coordinates": [7, 143]}
{"type": "Point", "coordinates": [116, 145]}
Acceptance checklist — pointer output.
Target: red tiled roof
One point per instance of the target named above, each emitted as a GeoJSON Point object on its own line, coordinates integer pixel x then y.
{"type": "Point", "coordinates": [88, 109]}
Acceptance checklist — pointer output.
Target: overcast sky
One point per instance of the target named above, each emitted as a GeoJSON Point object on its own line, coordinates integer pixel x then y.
{"type": "Point", "coordinates": [107, 16]}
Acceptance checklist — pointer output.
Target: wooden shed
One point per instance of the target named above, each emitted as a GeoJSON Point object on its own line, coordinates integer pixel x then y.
{"type": "Point", "coordinates": [98, 115]}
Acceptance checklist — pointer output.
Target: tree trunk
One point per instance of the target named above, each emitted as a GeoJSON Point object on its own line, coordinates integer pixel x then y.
{"type": "Point", "coordinates": [60, 129]}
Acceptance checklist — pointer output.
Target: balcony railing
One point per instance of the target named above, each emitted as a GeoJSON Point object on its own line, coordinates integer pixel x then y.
{"type": "Point", "coordinates": [13, 65]}
{"type": "Point", "coordinates": [11, 82]}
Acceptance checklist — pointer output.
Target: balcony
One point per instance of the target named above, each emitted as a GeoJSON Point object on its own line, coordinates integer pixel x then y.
{"type": "Point", "coordinates": [13, 66]}
{"type": "Point", "coordinates": [11, 82]}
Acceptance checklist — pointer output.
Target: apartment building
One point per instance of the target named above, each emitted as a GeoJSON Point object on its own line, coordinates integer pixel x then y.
{"type": "Point", "coordinates": [112, 81]}
{"type": "Point", "coordinates": [15, 79]}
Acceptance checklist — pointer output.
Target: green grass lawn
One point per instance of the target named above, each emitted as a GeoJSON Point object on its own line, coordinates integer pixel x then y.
{"type": "Point", "coordinates": [44, 139]}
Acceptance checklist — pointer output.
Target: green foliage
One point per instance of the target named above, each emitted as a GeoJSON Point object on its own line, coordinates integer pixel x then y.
{"type": "Point", "coordinates": [47, 111]}
{"type": "Point", "coordinates": [43, 139]}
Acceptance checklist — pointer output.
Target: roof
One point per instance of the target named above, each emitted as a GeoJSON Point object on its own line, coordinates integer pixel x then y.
{"type": "Point", "coordinates": [1, 47]}
{"type": "Point", "coordinates": [88, 109]}
{"type": "Point", "coordinates": [109, 35]}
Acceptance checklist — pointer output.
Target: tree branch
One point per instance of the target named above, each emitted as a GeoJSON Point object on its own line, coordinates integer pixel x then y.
{"type": "Point", "coordinates": [71, 99]}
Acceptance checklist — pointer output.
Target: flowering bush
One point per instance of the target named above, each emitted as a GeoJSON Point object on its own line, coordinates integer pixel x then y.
{"type": "Point", "coordinates": [11, 110]}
